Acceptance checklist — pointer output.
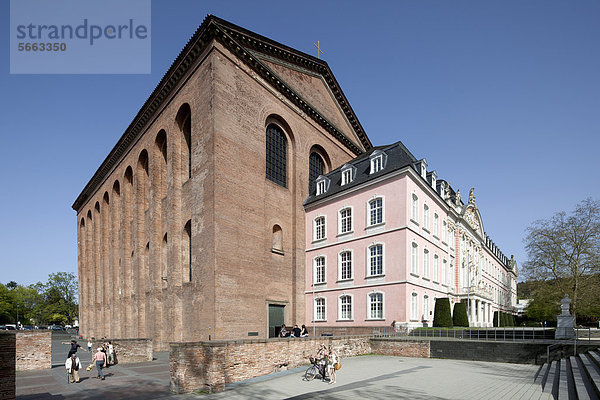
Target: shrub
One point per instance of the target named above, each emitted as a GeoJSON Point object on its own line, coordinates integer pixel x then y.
{"type": "Point", "coordinates": [441, 315]}
{"type": "Point", "coordinates": [460, 317]}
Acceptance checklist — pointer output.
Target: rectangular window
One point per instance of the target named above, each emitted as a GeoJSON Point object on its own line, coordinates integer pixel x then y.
{"type": "Point", "coordinates": [345, 307]}
{"type": "Point", "coordinates": [414, 259]}
{"type": "Point", "coordinates": [425, 263]}
{"type": "Point", "coordinates": [376, 306]}
{"type": "Point", "coordinates": [319, 228]}
{"type": "Point", "coordinates": [319, 270]}
{"type": "Point", "coordinates": [346, 265]}
{"type": "Point", "coordinates": [320, 309]}
{"type": "Point", "coordinates": [376, 164]}
{"type": "Point", "coordinates": [346, 220]}
{"type": "Point", "coordinates": [376, 211]}
{"type": "Point", "coordinates": [376, 260]}
{"type": "Point", "coordinates": [436, 266]}
{"type": "Point", "coordinates": [436, 223]}
{"type": "Point", "coordinates": [320, 187]}
{"type": "Point", "coordinates": [444, 272]}
{"type": "Point", "coordinates": [425, 216]}
{"type": "Point", "coordinates": [346, 176]}
{"type": "Point", "coordinates": [425, 308]}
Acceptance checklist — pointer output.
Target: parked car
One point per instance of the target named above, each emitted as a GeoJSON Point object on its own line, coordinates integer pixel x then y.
{"type": "Point", "coordinates": [3, 328]}
{"type": "Point", "coordinates": [11, 327]}
{"type": "Point", "coordinates": [28, 327]}
{"type": "Point", "coordinates": [56, 328]}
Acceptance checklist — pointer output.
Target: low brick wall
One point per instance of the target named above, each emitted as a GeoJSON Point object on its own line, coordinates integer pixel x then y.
{"type": "Point", "coordinates": [7, 365]}
{"type": "Point", "coordinates": [209, 366]}
{"type": "Point", "coordinates": [33, 350]}
{"type": "Point", "coordinates": [128, 350]}
{"type": "Point", "coordinates": [401, 348]}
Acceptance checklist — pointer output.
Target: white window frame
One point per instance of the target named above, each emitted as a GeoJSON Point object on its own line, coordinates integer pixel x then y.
{"type": "Point", "coordinates": [370, 303]}
{"type": "Point", "coordinates": [425, 263]}
{"type": "Point", "coordinates": [414, 213]}
{"type": "Point", "coordinates": [368, 272]}
{"type": "Point", "coordinates": [444, 272]}
{"type": "Point", "coordinates": [436, 225]}
{"type": "Point", "coordinates": [370, 221]}
{"type": "Point", "coordinates": [414, 258]}
{"type": "Point", "coordinates": [376, 163]}
{"type": "Point", "coordinates": [341, 265]}
{"type": "Point", "coordinates": [435, 276]}
{"type": "Point", "coordinates": [340, 314]}
{"type": "Point", "coordinates": [341, 221]}
{"type": "Point", "coordinates": [316, 309]}
{"type": "Point", "coordinates": [347, 175]}
{"type": "Point", "coordinates": [316, 272]}
{"type": "Point", "coordinates": [414, 306]}
{"type": "Point", "coordinates": [316, 230]}
{"type": "Point", "coordinates": [426, 308]}
{"type": "Point", "coordinates": [444, 231]}
{"type": "Point", "coordinates": [322, 184]}
{"type": "Point", "coordinates": [425, 216]}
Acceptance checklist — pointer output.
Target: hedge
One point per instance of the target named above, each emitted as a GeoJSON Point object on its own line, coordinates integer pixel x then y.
{"type": "Point", "coordinates": [460, 317]}
{"type": "Point", "coordinates": [441, 315]}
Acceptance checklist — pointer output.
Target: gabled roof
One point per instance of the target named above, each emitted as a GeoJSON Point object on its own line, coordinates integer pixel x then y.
{"type": "Point", "coordinates": [246, 45]}
{"type": "Point", "coordinates": [398, 157]}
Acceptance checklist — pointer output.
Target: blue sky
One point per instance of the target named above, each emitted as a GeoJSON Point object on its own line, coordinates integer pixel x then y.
{"type": "Point", "coordinates": [503, 96]}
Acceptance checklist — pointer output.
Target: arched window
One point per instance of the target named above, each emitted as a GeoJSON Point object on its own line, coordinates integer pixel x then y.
{"type": "Point", "coordinates": [375, 256]}
{"type": "Point", "coordinates": [425, 308]}
{"type": "Point", "coordinates": [320, 311]}
{"type": "Point", "coordinates": [164, 260]}
{"type": "Point", "coordinates": [345, 307]}
{"type": "Point", "coordinates": [319, 270]}
{"type": "Point", "coordinates": [187, 250]}
{"type": "Point", "coordinates": [161, 164]}
{"type": "Point", "coordinates": [345, 265]}
{"type": "Point", "coordinates": [184, 122]}
{"type": "Point", "coordinates": [425, 263]}
{"type": "Point", "coordinates": [414, 213]}
{"type": "Point", "coordinates": [414, 259]}
{"type": "Point", "coordinates": [414, 307]}
{"type": "Point", "coordinates": [376, 305]}
{"type": "Point", "coordinates": [316, 167]}
{"type": "Point", "coordinates": [276, 155]}
{"type": "Point", "coordinates": [277, 240]}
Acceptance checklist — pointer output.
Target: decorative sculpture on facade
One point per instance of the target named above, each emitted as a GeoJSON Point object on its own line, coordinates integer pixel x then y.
{"type": "Point", "coordinates": [472, 196]}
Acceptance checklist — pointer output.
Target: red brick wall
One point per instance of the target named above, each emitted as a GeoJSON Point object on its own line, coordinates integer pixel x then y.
{"type": "Point", "coordinates": [33, 350]}
{"type": "Point", "coordinates": [7, 365]}
{"type": "Point", "coordinates": [400, 348]}
{"type": "Point", "coordinates": [209, 366]}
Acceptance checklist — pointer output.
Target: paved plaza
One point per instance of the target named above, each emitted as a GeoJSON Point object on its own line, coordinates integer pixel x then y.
{"type": "Point", "coordinates": [370, 376]}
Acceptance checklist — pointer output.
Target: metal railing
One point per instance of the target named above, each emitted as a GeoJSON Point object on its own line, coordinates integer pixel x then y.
{"type": "Point", "coordinates": [486, 334]}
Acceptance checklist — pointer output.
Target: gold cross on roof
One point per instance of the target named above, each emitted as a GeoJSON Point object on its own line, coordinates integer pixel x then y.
{"type": "Point", "coordinates": [319, 51]}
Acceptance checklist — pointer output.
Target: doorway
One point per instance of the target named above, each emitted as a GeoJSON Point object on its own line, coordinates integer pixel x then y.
{"type": "Point", "coordinates": [276, 319]}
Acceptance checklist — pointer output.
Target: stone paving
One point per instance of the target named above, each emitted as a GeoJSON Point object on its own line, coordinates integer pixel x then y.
{"type": "Point", "coordinates": [371, 376]}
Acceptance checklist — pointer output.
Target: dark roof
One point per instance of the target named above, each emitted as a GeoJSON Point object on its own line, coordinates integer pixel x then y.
{"type": "Point", "coordinates": [398, 157]}
{"type": "Point", "coordinates": [246, 45]}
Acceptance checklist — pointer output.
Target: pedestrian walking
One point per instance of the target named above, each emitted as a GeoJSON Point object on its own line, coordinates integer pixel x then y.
{"type": "Point", "coordinates": [73, 365]}
{"type": "Point", "coordinates": [100, 359]}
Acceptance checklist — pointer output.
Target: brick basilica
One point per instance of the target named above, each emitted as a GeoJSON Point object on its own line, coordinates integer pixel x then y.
{"type": "Point", "coordinates": [193, 226]}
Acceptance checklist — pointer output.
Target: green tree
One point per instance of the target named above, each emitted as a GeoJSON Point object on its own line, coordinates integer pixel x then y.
{"type": "Point", "coordinates": [60, 297]}
{"type": "Point", "coordinates": [566, 249]}
{"type": "Point", "coordinates": [441, 314]}
{"type": "Point", "coordinates": [460, 317]}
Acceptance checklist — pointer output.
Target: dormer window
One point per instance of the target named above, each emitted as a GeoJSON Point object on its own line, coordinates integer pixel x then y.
{"type": "Point", "coordinates": [322, 185]}
{"type": "Point", "coordinates": [421, 168]}
{"type": "Point", "coordinates": [378, 159]}
{"type": "Point", "coordinates": [432, 179]}
{"type": "Point", "coordinates": [348, 172]}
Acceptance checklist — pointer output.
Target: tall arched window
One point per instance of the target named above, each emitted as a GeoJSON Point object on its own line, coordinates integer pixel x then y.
{"type": "Point", "coordinates": [160, 158]}
{"type": "Point", "coordinates": [184, 121]}
{"type": "Point", "coordinates": [276, 168]}
{"type": "Point", "coordinates": [187, 250]}
{"type": "Point", "coordinates": [316, 167]}
{"type": "Point", "coordinates": [277, 246]}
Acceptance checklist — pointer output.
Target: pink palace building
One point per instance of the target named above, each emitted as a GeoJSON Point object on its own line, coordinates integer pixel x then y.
{"type": "Point", "coordinates": [386, 238]}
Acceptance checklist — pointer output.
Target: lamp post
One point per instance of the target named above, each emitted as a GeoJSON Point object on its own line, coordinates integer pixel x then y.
{"type": "Point", "coordinates": [313, 302]}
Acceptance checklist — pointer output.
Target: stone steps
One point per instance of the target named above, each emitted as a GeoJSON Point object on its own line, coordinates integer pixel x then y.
{"type": "Point", "coordinates": [572, 378]}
